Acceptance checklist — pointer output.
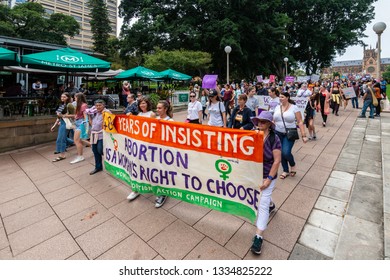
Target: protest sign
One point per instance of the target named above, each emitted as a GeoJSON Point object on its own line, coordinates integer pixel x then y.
{"type": "Point", "coordinates": [303, 79]}
{"type": "Point", "coordinates": [349, 92]}
{"type": "Point", "coordinates": [271, 78]}
{"type": "Point", "coordinates": [212, 167]}
{"type": "Point", "coordinates": [314, 78]}
{"type": "Point", "coordinates": [289, 79]}
{"type": "Point", "coordinates": [259, 78]}
{"type": "Point", "coordinates": [209, 81]}
{"type": "Point", "coordinates": [300, 102]}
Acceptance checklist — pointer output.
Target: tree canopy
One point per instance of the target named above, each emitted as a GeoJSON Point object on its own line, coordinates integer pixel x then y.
{"type": "Point", "coordinates": [261, 33]}
{"type": "Point", "coordinates": [100, 26]}
{"type": "Point", "coordinates": [29, 21]}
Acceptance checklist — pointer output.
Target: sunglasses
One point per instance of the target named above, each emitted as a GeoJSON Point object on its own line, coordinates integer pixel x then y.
{"type": "Point", "coordinates": [263, 122]}
{"type": "Point", "coordinates": [192, 95]}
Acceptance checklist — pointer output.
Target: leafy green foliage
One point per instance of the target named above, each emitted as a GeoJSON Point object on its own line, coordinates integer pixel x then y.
{"type": "Point", "coordinates": [386, 75]}
{"type": "Point", "coordinates": [29, 21]}
{"type": "Point", "coordinates": [99, 25]}
{"type": "Point", "coordinates": [180, 60]}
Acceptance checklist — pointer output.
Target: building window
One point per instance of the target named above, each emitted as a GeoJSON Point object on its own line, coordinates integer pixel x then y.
{"type": "Point", "coordinates": [371, 61]}
{"type": "Point", "coordinates": [371, 69]}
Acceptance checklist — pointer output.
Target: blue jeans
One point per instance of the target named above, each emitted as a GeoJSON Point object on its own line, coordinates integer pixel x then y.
{"type": "Point", "coordinates": [366, 104]}
{"type": "Point", "coordinates": [61, 137]}
{"type": "Point", "coordinates": [97, 150]}
{"type": "Point", "coordinates": [287, 157]}
{"type": "Point", "coordinates": [355, 103]}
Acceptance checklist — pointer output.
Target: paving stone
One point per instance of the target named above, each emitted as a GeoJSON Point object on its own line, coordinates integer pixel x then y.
{"type": "Point", "coordinates": [113, 196]}
{"type": "Point", "coordinates": [349, 168]}
{"type": "Point", "coordinates": [331, 206]}
{"type": "Point", "coordinates": [64, 194]}
{"type": "Point", "coordinates": [320, 240]}
{"type": "Point", "coordinates": [370, 166]}
{"type": "Point", "coordinates": [151, 222]}
{"type": "Point", "coordinates": [103, 237]}
{"type": "Point", "coordinates": [87, 219]}
{"type": "Point", "coordinates": [189, 213]}
{"type": "Point", "coordinates": [60, 247]}
{"type": "Point", "coordinates": [326, 160]}
{"type": "Point", "coordinates": [326, 221]}
{"type": "Point", "coordinates": [20, 204]}
{"type": "Point", "coordinates": [32, 235]}
{"type": "Point", "coordinates": [283, 230]}
{"type": "Point", "coordinates": [75, 205]}
{"type": "Point", "coordinates": [316, 178]}
{"type": "Point", "coordinates": [268, 252]}
{"type": "Point", "coordinates": [360, 240]}
{"type": "Point", "coordinates": [336, 193]}
{"type": "Point", "coordinates": [219, 226]}
{"type": "Point", "coordinates": [208, 249]}
{"type": "Point", "coordinates": [79, 256]}
{"type": "Point", "coordinates": [301, 252]}
{"type": "Point", "coordinates": [6, 254]}
{"type": "Point", "coordinates": [17, 192]}
{"type": "Point", "coordinates": [301, 201]}
{"type": "Point", "coordinates": [339, 183]}
{"type": "Point", "coordinates": [54, 185]}
{"type": "Point", "coordinates": [241, 241]}
{"type": "Point", "coordinates": [27, 217]}
{"type": "Point", "coordinates": [367, 199]}
{"type": "Point", "coordinates": [132, 248]}
{"type": "Point", "coordinates": [176, 241]}
{"type": "Point", "coordinates": [128, 210]}
{"type": "Point", "coordinates": [3, 239]}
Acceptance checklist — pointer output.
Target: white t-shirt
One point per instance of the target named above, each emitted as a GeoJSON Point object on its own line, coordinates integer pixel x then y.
{"type": "Point", "coordinates": [289, 118]}
{"type": "Point", "coordinates": [167, 118]}
{"type": "Point", "coordinates": [252, 103]}
{"type": "Point", "coordinates": [146, 114]}
{"type": "Point", "coordinates": [215, 114]}
{"type": "Point", "coordinates": [273, 103]}
{"type": "Point", "coordinates": [193, 110]}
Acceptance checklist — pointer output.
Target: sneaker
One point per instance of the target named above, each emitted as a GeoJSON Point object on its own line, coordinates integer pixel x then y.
{"type": "Point", "coordinates": [257, 244]}
{"type": "Point", "coordinates": [272, 208]}
{"type": "Point", "coordinates": [77, 159]}
{"type": "Point", "coordinates": [314, 137]}
{"type": "Point", "coordinates": [160, 201]}
{"type": "Point", "coordinates": [362, 117]}
{"type": "Point", "coordinates": [372, 117]}
{"type": "Point", "coordinates": [132, 196]}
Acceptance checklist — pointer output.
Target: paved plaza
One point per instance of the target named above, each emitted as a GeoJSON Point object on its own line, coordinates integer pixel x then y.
{"type": "Point", "coordinates": [334, 208]}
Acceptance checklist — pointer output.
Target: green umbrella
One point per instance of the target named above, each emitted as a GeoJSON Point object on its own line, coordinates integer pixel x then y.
{"type": "Point", "coordinates": [66, 59]}
{"type": "Point", "coordinates": [8, 58]}
{"type": "Point", "coordinates": [172, 74]}
{"type": "Point", "coordinates": [139, 73]}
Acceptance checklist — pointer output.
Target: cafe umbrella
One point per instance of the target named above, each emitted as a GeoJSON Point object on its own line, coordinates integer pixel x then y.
{"type": "Point", "coordinates": [8, 58]}
{"type": "Point", "coordinates": [139, 73]}
{"type": "Point", "coordinates": [170, 74]}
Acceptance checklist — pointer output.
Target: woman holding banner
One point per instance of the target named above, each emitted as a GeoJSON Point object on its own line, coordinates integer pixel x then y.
{"type": "Point", "coordinates": [241, 115]}
{"type": "Point", "coordinates": [145, 110]}
{"type": "Point", "coordinates": [286, 116]}
{"type": "Point", "coordinates": [271, 160]}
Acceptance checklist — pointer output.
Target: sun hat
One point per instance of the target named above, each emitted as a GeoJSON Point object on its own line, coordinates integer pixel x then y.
{"type": "Point", "coordinates": [263, 116]}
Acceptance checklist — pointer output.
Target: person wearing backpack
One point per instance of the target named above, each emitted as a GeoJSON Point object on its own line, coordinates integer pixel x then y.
{"type": "Point", "coordinates": [216, 109]}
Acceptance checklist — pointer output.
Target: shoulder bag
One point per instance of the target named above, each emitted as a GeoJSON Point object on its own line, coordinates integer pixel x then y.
{"type": "Point", "coordinates": [374, 99]}
{"type": "Point", "coordinates": [291, 133]}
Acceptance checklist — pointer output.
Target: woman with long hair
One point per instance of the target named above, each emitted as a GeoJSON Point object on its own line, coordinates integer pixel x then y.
{"type": "Point", "coordinates": [80, 124]}
{"type": "Point", "coordinates": [203, 101]}
{"type": "Point", "coordinates": [274, 101]}
{"type": "Point", "coordinates": [216, 109]}
{"type": "Point", "coordinates": [64, 110]}
{"type": "Point", "coordinates": [287, 115]}
{"type": "Point", "coordinates": [336, 98]}
{"type": "Point", "coordinates": [144, 110]}
{"type": "Point", "coordinates": [271, 161]}
{"type": "Point", "coordinates": [324, 103]}
{"type": "Point", "coordinates": [311, 108]}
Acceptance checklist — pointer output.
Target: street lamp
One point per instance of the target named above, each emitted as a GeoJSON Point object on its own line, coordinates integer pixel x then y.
{"type": "Point", "coordinates": [379, 27]}
{"type": "Point", "coordinates": [285, 62]}
{"type": "Point", "coordinates": [228, 50]}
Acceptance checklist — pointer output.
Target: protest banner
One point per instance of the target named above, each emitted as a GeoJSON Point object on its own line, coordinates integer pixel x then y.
{"type": "Point", "coordinates": [349, 92]}
{"type": "Point", "coordinates": [303, 79]}
{"type": "Point", "coordinates": [289, 79]}
{"type": "Point", "coordinates": [300, 102]}
{"type": "Point", "coordinates": [209, 81]}
{"type": "Point", "coordinates": [212, 167]}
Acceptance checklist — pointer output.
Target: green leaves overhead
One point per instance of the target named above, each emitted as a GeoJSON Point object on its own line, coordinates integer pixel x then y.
{"type": "Point", "coordinates": [29, 21]}
{"type": "Point", "coordinates": [260, 32]}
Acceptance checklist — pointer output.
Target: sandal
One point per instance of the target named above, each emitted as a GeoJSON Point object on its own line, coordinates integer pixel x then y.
{"type": "Point", "coordinates": [284, 175]}
{"type": "Point", "coordinates": [293, 173]}
{"type": "Point", "coordinates": [58, 159]}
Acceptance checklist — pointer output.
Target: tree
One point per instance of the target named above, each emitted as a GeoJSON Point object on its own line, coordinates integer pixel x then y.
{"type": "Point", "coordinates": [189, 62]}
{"type": "Point", "coordinates": [319, 29]}
{"type": "Point", "coordinates": [386, 74]}
{"type": "Point", "coordinates": [254, 29]}
{"type": "Point", "coordinates": [100, 25]}
{"type": "Point", "coordinates": [29, 21]}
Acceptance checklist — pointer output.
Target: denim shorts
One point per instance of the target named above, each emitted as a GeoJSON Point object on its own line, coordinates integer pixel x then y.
{"type": "Point", "coordinates": [78, 124]}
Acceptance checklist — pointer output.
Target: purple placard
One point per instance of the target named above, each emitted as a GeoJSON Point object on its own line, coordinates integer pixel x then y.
{"type": "Point", "coordinates": [289, 79]}
{"type": "Point", "coordinates": [209, 81]}
{"type": "Point", "coordinates": [259, 78]}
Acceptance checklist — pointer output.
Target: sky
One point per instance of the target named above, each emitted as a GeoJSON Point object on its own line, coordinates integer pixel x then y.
{"type": "Point", "coordinates": [382, 13]}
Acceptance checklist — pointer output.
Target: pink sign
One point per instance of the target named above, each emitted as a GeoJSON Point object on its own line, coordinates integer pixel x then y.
{"type": "Point", "coordinates": [259, 78]}
{"type": "Point", "coordinates": [209, 81]}
{"type": "Point", "coordinates": [271, 78]}
{"type": "Point", "coordinates": [289, 79]}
